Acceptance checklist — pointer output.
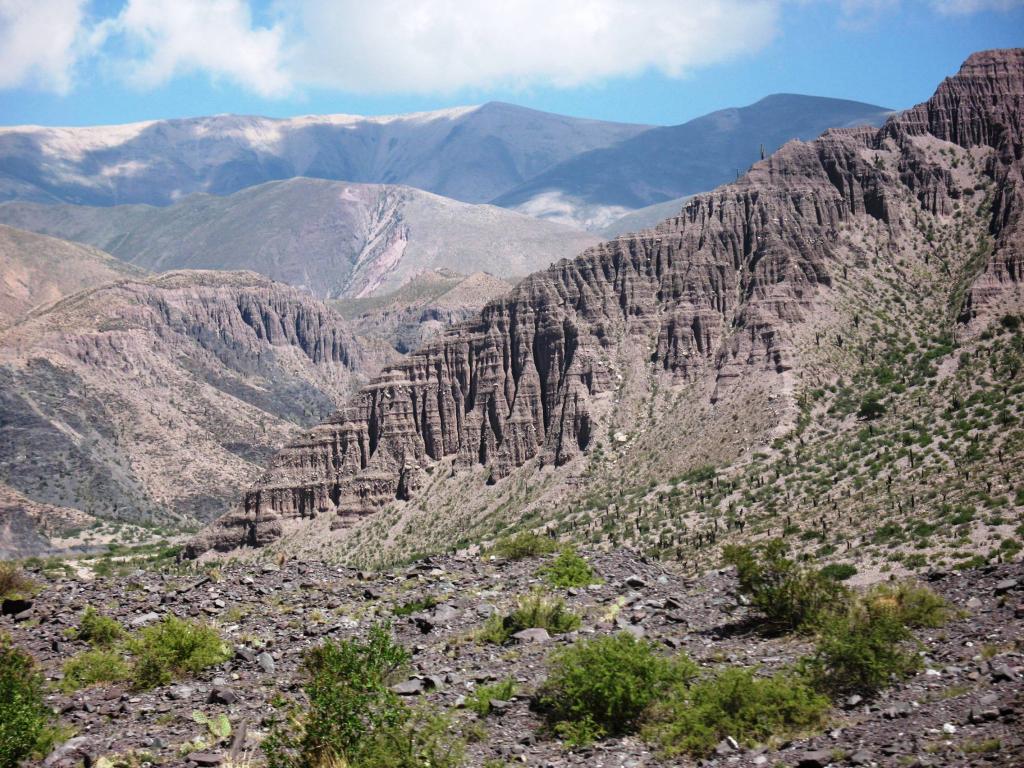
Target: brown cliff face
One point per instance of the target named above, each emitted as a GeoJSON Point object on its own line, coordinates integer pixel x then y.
{"type": "Point", "coordinates": [159, 399]}
{"type": "Point", "coordinates": [708, 300]}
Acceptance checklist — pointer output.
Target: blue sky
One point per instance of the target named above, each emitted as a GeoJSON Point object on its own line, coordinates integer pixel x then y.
{"type": "Point", "coordinates": [76, 62]}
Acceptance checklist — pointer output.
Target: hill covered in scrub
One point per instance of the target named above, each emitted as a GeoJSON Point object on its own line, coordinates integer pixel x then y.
{"type": "Point", "coordinates": [828, 349]}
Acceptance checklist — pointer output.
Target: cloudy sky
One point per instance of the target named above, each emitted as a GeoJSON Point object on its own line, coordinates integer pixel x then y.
{"type": "Point", "coordinates": [73, 62]}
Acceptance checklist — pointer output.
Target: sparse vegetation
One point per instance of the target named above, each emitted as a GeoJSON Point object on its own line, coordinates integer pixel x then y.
{"type": "Point", "coordinates": [25, 721]}
{"type": "Point", "coordinates": [862, 649]}
{"type": "Point", "coordinates": [535, 610]}
{"type": "Point", "coordinates": [353, 717]}
{"type": "Point", "coordinates": [483, 695]}
{"type": "Point", "coordinates": [99, 630]}
{"type": "Point", "coordinates": [94, 667]}
{"type": "Point", "coordinates": [13, 581]}
{"type": "Point", "coordinates": [602, 687]}
{"type": "Point", "coordinates": [568, 570]}
{"type": "Point", "coordinates": [915, 606]}
{"type": "Point", "coordinates": [838, 571]}
{"type": "Point", "coordinates": [174, 647]}
{"type": "Point", "coordinates": [522, 545]}
{"type": "Point", "coordinates": [788, 595]}
{"type": "Point", "coordinates": [416, 605]}
{"type": "Point", "coordinates": [734, 702]}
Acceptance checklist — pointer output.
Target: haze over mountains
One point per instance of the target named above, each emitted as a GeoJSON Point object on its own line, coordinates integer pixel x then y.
{"type": "Point", "coordinates": [472, 154]}
{"type": "Point", "coordinates": [593, 188]}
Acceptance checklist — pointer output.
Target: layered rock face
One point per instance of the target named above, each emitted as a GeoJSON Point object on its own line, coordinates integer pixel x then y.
{"type": "Point", "coordinates": [159, 399]}
{"type": "Point", "coordinates": [713, 296]}
{"type": "Point", "coordinates": [983, 105]}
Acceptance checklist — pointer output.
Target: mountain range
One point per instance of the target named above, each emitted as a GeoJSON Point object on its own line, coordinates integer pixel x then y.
{"type": "Point", "coordinates": [333, 239]}
{"type": "Point", "coordinates": [826, 339]}
{"type": "Point", "coordinates": [583, 172]}
{"type": "Point", "coordinates": [594, 188]}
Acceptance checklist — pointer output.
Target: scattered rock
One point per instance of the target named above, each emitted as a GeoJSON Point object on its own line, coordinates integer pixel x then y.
{"type": "Point", "coordinates": [222, 695]}
{"type": "Point", "coordinates": [1004, 586]}
{"type": "Point", "coordinates": [14, 605]}
{"type": "Point", "coordinates": [73, 753]}
{"type": "Point", "coordinates": [205, 758]}
{"type": "Point", "coordinates": [411, 687]}
{"type": "Point", "coordinates": [533, 635]}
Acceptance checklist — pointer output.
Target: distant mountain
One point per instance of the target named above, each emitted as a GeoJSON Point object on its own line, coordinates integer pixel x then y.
{"type": "Point", "coordinates": [335, 239]}
{"type": "Point", "coordinates": [594, 188]}
{"type": "Point", "coordinates": [36, 270]}
{"type": "Point", "coordinates": [159, 399]}
{"type": "Point", "coordinates": [471, 153]}
{"type": "Point", "coordinates": [581, 172]}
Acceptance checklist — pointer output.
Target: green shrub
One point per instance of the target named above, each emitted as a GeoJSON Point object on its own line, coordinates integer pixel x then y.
{"type": "Point", "coordinates": [568, 570]}
{"type": "Point", "coordinates": [416, 605]}
{"type": "Point", "coordinates": [14, 583]}
{"type": "Point", "coordinates": [420, 738]}
{"type": "Point", "coordinates": [219, 726]}
{"type": "Point", "coordinates": [480, 701]}
{"type": "Point", "coordinates": [862, 650]}
{"type": "Point", "coordinates": [525, 544]}
{"type": "Point", "coordinates": [601, 687]}
{"type": "Point", "coordinates": [534, 610]}
{"type": "Point", "coordinates": [99, 630]}
{"type": "Point", "coordinates": [347, 685]}
{"type": "Point", "coordinates": [174, 647]}
{"type": "Point", "coordinates": [838, 571]}
{"type": "Point", "coordinates": [788, 595]}
{"type": "Point", "coordinates": [914, 605]}
{"type": "Point", "coordinates": [24, 718]}
{"type": "Point", "coordinates": [871, 407]}
{"type": "Point", "coordinates": [733, 702]}
{"type": "Point", "coordinates": [92, 667]}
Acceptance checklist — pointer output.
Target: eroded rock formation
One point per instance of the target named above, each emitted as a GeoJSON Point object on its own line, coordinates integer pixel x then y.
{"type": "Point", "coordinates": [716, 292]}
{"type": "Point", "coordinates": [160, 398]}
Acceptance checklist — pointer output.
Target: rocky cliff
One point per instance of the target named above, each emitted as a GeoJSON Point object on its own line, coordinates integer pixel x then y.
{"type": "Point", "coordinates": [159, 399]}
{"type": "Point", "coordinates": [715, 305]}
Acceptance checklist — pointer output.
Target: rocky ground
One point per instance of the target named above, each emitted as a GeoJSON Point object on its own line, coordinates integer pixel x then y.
{"type": "Point", "coordinates": [964, 708]}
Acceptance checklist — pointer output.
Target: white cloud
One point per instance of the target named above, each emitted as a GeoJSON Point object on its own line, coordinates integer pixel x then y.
{"type": "Point", "coordinates": [401, 46]}
{"type": "Point", "coordinates": [446, 45]}
{"type": "Point", "coordinates": [414, 46]}
{"type": "Point", "coordinates": [966, 7]}
{"type": "Point", "coordinates": [217, 37]}
{"type": "Point", "coordinates": [38, 43]}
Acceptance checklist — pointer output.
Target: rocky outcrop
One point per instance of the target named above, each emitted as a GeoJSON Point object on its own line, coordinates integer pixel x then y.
{"type": "Point", "coordinates": [160, 399]}
{"type": "Point", "coordinates": [715, 293]}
